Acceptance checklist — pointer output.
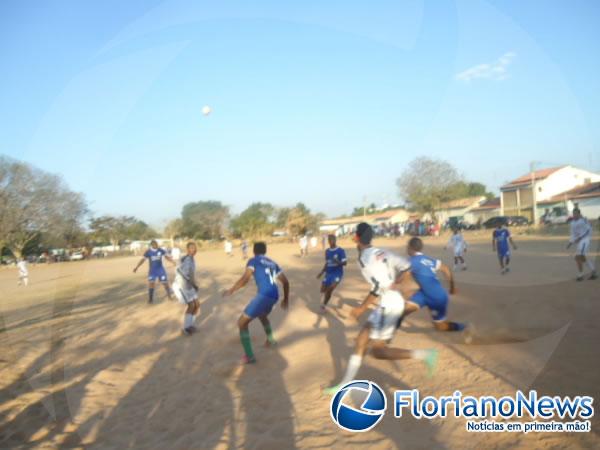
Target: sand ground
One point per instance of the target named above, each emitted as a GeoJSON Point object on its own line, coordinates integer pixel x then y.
{"type": "Point", "coordinates": [85, 362]}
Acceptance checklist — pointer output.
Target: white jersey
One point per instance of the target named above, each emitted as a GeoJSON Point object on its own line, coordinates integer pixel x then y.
{"type": "Point", "coordinates": [175, 253]}
{"type": "Point", "coordinates": [23, 271]}
{"type": "Point", "coordinates": [185, 279]}
{"type": "Point", "coordinates": [381, 268]}
{"type": "Point", "coordinates": [303, 242]}
{"type": "Point", "coordinates": [581, 229]}
{"type": "Point", "coordinates": [457, 243]}
{"type": "Point", "coordinates": [228, 247]}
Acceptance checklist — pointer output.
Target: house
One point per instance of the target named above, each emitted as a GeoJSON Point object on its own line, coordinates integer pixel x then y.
{"type": "Point", "coordinates": [457, 208]}
{"type": "Point", "coordinates": [586, 197]}
{"type": "Point", "coordinates": [518, 196]}
{"type": "Point", "coordinates": [486, 210]}
{"type": "Point", "coordinates": [345, 225]}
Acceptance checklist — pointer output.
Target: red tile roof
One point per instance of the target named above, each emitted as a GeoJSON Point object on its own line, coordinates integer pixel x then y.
{"type": "Point", "coordinates": [460, 203]}
{"type": "Point", "coordinates": [492, 203]}
{"type": "Point", "coordinates": [538, 175]}
{"type": "Point", "coordinates": [582, 191]}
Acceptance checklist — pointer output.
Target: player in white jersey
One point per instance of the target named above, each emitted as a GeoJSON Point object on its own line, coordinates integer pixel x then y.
{"type": "Point", "coordinates": [23, 272]}
{"type": "Point", "coordinates": [186, 289]}
{"type": "Point", "coordinates": [459, 246]}
{"type": "Point", "coordinates": [581, 237]}
{"type": "Point", "coordinates": [386, 272]}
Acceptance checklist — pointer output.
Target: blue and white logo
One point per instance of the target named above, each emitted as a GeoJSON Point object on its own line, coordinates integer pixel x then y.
{"type": "Point", "coordinates": [370, 412]}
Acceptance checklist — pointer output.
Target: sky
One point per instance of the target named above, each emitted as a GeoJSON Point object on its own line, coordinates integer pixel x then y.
{"type": "Point", "coordinates": [320, 102]}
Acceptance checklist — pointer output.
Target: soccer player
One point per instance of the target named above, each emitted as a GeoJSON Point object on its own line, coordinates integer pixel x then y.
{"type": "Point", "coordinates": [228, 247]}
{"type": "Point", "coordinates": [23, 272]}
{"type": "Point", "coordinates": [458, 244]}
{"type": "Point", "coordinates": [500, 244]}
{"type": "Point", "coordinates": [386, 272]}
{"type": "Point", "coordinates": [244, 249]}
{"type": "Point", "coordinates": [335, 260]}
{"type": "Point", "coordinates": [303, 242]}
{"type": "Point", "coordinates": [156, 270]}
{"type": "Point", "coordinates": [186, 289]}
{"type": "Point", "coordinates": [266, 274]}
{"type": "Point", "coordinates": [431, 293]}
{"type": "Point", "coordinates": [581, 236]}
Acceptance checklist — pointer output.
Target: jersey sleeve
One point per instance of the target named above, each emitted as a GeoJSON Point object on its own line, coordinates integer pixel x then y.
{"type": "Point", "coordinates": [398, 262]}
{"type": "Point", "coordinates": [251, 264]}
{"type": "Point", "coordinates": [343, 255]}
{"type": "Point", "coordinates": [278, 270]}
{"type": "Point", "coordinates": [437, 264]}
{"type": "Point", "coordinates": [147, 254]}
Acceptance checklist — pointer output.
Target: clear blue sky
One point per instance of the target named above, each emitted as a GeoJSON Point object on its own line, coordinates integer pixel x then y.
{"type": "Point", "coordinates": [318, 103]}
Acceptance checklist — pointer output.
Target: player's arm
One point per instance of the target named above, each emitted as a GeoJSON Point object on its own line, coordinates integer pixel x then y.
{"type": "Point", "coordinates": [368, 301]}
{"type": "Point", "coordinates": [494, 243]}
{"type": "Point", "coordinates": [448, 274]}
{"type": "Point", "coordinates": [141, 261]}
{"type": "Point", "coordinates": [510, 239]}
{"type": "Point", "coordinates": [286, 289]}
{"type": "Point", "coordinates": [239, 283]}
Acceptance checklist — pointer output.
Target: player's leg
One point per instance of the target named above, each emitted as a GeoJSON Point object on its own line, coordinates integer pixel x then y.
{"type": "Point", "coordinates": [455, 262]}
{"type": "Point", "coordinates": [151, 284]}
{"type": "Point", "coordinates": [264, 319]}
{"type": "Point", "coordinates": [355, 361]}
{"type": "Point", "coordinates": [582, 249]}
{"type": "Point", "coordinates": [243, 323]}
{"type": "Point", "coordinates": [507, 262]}
{"type": "Point", "coordinates": [188, 317]}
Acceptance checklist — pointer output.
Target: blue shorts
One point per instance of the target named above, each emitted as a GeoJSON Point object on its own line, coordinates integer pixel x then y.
{"type": "Point", "coordinates": [260, 305]}
{"type": "Point", "coordinates": [158, 275]}
{"type": "Point", "coordinates": [503, 253]}
{"type": "Point", "coordinates": [438, 307]}
{"type": "Point", "coordinates": [331, 278]}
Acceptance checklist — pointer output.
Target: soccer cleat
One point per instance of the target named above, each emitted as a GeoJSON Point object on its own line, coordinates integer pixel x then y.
{"type": "Point", "coordinates": [187, 332]}
{"type": "Point", "coordinates": [579, 278]}
{"type": "Point", "coordinates": [247, 360]}
{"type": "Point", "coordinates": [332, 390]}
{"type": "Point", "coordinates": [464, 268]}
{"type": "Point", "coordinates": [431, 361]}
{"type": "Point", "coordinates": [593, 276]}
{"type": "Point", "coordinates": [507, 269]}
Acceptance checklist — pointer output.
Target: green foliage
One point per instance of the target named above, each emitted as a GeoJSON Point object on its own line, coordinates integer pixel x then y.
{"type": "Point", "coordinates": [256, 220]}
{"type": "Point", "coordinates": [118, 229]}
{"type": "Point", "coordinates": [204, 219]}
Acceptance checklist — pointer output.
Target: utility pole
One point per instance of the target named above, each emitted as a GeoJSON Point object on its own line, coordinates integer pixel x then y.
{"type": "Point", "coordinates": [533, 193]}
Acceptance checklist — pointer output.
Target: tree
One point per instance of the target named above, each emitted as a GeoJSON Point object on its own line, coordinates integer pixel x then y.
{"type": "Point", "coordinates": [300, 220]}
{"type": "Point", "coordinates": [118, 229]}
{"type": "Point", "coordinates": [204, 219]}
{"type": "Point", "coordinates": [426, 183]}
{"type": "Point", "coordinates": [256, 220]}
{"type": "Point", "coordinates": [361, 210]}
{"type": "Point", "coordinates": [174, 230]}
{"type": "Point", "coordinates": [34, 202]}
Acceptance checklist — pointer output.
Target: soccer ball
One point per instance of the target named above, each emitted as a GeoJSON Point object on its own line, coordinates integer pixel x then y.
{"type": "Point", "coordinates": [206, 110]}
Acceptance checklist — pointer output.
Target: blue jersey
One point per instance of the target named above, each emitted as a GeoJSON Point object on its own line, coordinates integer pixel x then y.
{"type": "Point", "coordinates": [155, 257]}
{"type": "Point", "coordinates": [265, 272]}
{"type": "Point", "coordinates": [424, 271]}
{"type": "Point", "coordinates": [333, 256]}
{"type": "Point", "coordinates": [501, 235]}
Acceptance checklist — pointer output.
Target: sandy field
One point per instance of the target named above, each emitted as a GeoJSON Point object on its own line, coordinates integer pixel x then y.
{"type": "Point", "coordinates": [86, 363]}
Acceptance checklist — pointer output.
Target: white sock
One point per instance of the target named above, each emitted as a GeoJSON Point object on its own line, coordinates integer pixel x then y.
{"type": "Point", "coordinates": [590, 264]}
{"type": "Point", "coordinates": [580, 273]}
{"type": "Point", "coordinates": [353, 365]}
{"type": "Point", "coordinates": [419, 354]}
{"type": "Point", "coordinates": [188, 320]}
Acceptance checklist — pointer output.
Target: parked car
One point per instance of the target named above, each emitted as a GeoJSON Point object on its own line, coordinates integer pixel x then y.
{"type": "Point", "coordinates": [517, 221]}
{"type": "Point", "coordinates": [493, 222]}
{"type": "Point", "coordinates": [76, 256]}
{"type": "Point", "coordinates": [557, 216]}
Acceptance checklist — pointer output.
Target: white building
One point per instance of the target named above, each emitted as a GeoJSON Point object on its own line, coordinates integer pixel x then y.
{"type": "Point", "coordinates": [457, 208]}
{"type": "Point", "coordinates": [518, 196]}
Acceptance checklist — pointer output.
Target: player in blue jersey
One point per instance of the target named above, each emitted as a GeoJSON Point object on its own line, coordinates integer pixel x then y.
{"type": "Point", "coordinates": [156, 270]}
{"type": "Point", "coordinates": [266, 273]}
{"type": "Point", "coordinates": [501, 239]}
{"type": "Point", "coordinates": [335, 260]}
{"type": "Point", "coordinates": [431, 293]}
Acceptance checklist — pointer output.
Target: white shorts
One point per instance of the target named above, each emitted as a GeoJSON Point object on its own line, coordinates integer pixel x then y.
{"type": "Point", "coordinates": [583, 247]}
{"type": "Point", "coordinates": [458, 253]}
{"type": "Point", "coordinates": [184, 295]}
{"type": "Point", "coordinates": [384, 319]}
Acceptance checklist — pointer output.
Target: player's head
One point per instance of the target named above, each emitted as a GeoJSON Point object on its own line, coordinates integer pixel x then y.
{"type": "Point", "coordinates": [332, 240]}
{"type": "Point", "coordinates": [154, 244]}
{"type": "Point", "coordinates": [191, 248]}
{"type": "Point", "coordinates": [363, 235]}
{"type": "Point", "coordinates": [415, 245]}
{"type": "Point", "coordinates": [455, 230]}
{"type": "Point", "coordinates": [501, 223]}
{"type": "Point", "coordinates": [260, 248]}
{"type": "Point", "coordinates": [576, 213]}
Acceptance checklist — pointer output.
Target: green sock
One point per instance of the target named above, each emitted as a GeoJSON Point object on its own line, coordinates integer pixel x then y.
{"type": "Point", "coordinates": [246, 343]}
{"type": "Point", "coordinates": [269, 333]}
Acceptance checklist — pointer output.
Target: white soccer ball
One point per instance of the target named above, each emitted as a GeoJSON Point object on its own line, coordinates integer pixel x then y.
{"type": "Point", "coordinates": [206, 110]}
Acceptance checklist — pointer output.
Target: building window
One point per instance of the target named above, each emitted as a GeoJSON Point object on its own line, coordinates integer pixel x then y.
{"type": "Point", "coordinates": [539, 189]}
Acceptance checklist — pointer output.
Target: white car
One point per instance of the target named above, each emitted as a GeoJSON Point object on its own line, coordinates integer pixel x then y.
{"type": "Point", "coordinates": [76, 256]}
